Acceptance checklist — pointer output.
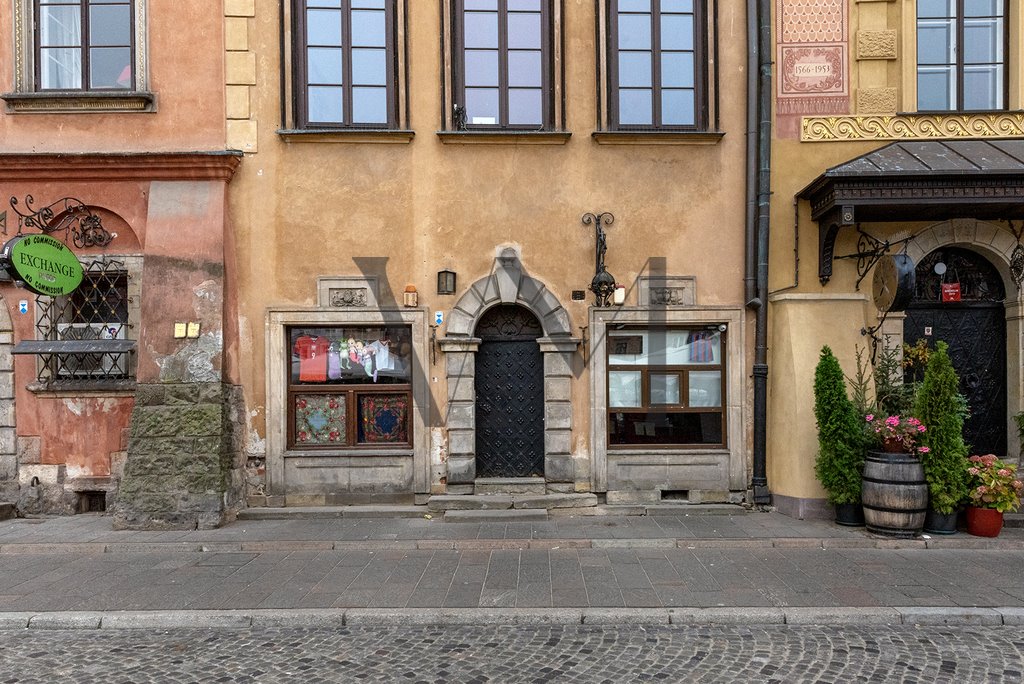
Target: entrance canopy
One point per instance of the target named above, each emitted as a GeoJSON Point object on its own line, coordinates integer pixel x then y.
{"type": "Point", "coordinates": [917, 181]}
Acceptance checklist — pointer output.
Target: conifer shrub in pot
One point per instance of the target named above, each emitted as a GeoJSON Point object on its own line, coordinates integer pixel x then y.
{"type": "Point", "coordinates": [940, 406]}
{"type": "Point", "coordinates": [841, 442]}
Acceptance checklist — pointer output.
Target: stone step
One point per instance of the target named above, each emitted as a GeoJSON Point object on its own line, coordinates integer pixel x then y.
{"type": "Point", "coordinates": [328, 512]}
{"type": "Point", "coordinates": [548, 501]}
{"type": "Point", "coordinates": [509, 485]}
{"type": "Point", "coordinates": [7, 510]}
{"type": "Point", "coordinates": [454, 502]}
{"type": "Point", "coordinates": [506, 516]}
{"type": "Point", "coordinates": [696, 509]}
{"type": "Point", "coordinates": [1013, 519]}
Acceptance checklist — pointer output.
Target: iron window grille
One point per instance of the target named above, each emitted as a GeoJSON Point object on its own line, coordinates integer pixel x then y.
{"type": "Point", "coordinates": [84, 335]}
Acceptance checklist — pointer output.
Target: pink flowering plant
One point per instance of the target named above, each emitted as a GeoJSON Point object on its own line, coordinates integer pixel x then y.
{"type": "Point", "coordinates": [993, 484]}
{"type": "Point", "coordinates": [896, 433]}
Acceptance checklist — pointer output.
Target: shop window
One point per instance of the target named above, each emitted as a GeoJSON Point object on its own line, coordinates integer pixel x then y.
{"type": "Point", "coordinates": [85, 335]}
{"type": "Point", "coordinates": [502, 64]}
{"type": "Point", "coordinates": [961, 55]}
{"type": "Point", "coordinates": [350, 386]}
{"type": "Point", "coordinates": [656, 62]}
{"type": "Point", "coordinates": [666, 387]}
{"type": "Point", "coordinates": [346, 63]}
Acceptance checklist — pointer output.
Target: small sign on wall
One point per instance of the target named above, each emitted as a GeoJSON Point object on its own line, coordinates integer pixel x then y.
{"type": "Point", "coordinates": [951, 292]}
{"type": "Point", "coordinates": [23, 306]}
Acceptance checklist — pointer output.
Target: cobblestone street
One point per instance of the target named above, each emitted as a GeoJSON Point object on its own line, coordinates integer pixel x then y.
{"type": "Point", "coordinates": [477, 654]}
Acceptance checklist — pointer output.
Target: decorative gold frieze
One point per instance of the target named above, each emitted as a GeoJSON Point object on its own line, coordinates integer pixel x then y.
{"type": "Point", "coordinates": [876, 100]}
{"type": "Point", "coordinates": [912, 127]}
{"type": "Point", "coordinates": [876, 45]}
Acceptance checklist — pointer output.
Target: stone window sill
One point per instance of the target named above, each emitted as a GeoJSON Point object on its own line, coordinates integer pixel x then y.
{"type": "Point", "coordinates": [504, 137]}
{"type": "Point", "coordinates": [349, 135]}
{"type": "Point", "coordinates": [657, 137]}
{"type": "Point", "coordinates": [98, 387]}
{"type": "Point", "coordinates": [349, 452]}
{"type": "Point", "coordinates": [79, 102]}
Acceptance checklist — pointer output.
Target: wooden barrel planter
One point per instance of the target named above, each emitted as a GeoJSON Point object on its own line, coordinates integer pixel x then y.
{"type": "Point", "coordinates": [894, 494]}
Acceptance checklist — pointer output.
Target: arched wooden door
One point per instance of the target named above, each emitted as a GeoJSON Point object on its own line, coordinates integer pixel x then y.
{"type": "Point", "coordinates": [974, 327]}
{"type": "Point", "coordinates": [509, 394]}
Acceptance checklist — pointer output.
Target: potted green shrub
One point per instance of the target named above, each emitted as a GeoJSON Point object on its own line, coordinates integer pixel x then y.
{"type": "Point", "coordinates": [940, 406]}
{"type": "Point", "coordinates": [840, 440]}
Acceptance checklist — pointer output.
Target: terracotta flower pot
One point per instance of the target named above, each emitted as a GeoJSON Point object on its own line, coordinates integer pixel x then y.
{"type": "Point", "coordinates": [984, 522]}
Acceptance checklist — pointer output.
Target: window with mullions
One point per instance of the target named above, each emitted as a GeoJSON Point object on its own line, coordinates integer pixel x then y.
{"type": "Point", "coordinates": [657, 64]}
{"type": "Point", "coordinates": [350, 386]}
{"type": "Point", "coordinates": [961, 55]}
{"type": "Point", "coordinates": [84, 45]}
{"type": "Point", "coordinates": [665, 387]}
{"type": "Point", "coordinates": [346, 63]}
{"type": "Point", "coordinates": [503, 63]}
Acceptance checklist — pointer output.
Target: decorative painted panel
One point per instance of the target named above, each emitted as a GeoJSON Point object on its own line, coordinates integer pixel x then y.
{"type": "Point", "coordinates": [319, 419]}
{"type": "Point", "coordinates": [383, 418]}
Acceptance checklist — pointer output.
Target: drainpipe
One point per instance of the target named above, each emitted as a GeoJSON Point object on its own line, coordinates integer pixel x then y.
{"type": "Point", "coordinates": [759, 481]}
{"type": "Point", "coordinates": [750, 227]}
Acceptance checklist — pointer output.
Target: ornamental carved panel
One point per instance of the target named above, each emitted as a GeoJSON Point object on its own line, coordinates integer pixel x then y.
{"type": "Point", "coordinates": [911, 127]}
{"type": "Point", "coordinates": [876, 45]}
{"type": "Point", "coordinates": [348, 296]}
{"type": "Point", "coordinates": [876, 100]}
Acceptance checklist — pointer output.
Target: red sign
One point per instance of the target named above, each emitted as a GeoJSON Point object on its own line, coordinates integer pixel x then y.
{"type": "Point", "coordinates": [951, 292]}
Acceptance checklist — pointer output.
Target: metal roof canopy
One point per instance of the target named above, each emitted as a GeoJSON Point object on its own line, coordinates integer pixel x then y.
{"type": "Point", "coordinates": [917, 181]}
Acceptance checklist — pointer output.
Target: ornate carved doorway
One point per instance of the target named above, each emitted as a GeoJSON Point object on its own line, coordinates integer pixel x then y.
{"type": "Point", "coordinates": [509, 394]}
{"type": "Point", "coordinates": [971, 319]}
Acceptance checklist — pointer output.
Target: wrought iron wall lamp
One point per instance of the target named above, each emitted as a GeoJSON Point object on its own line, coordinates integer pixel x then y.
{"type": "Point", "coordinates": [603, 283]}
{"type": "Point", "coordinates": [67, 214]}
{"type": "Point", "coordinates": [870, 249]}
{"type": "Point", "coordinates": [446, 282]}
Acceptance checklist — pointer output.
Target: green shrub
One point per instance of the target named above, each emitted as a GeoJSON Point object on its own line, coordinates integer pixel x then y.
{"type": "Point", "coordinates": [840, 433]}
{"type": "Point", "coordinates": [940, 407]}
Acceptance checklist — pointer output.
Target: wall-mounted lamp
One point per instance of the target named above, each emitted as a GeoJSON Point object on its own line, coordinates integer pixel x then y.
{"type": "Point", "coordinates": [446, 282]}
{"type": "Point", "coordinates": [410, 297]}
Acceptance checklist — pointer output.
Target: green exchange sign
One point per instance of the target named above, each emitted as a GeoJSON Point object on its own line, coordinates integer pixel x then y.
{"type": "Point", "coordinates": [44, 264]}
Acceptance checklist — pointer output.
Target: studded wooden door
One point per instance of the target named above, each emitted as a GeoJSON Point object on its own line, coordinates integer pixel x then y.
{"type": "Point", "coordinates": [975, 330]}
{"type": "Point", "coordinates": [509, 394]}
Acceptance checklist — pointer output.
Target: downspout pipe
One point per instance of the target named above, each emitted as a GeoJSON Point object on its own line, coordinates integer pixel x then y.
{"type": "Point", "coordinates": [759, 481]}
{"type": "Point", "coordinates": [750, 226]}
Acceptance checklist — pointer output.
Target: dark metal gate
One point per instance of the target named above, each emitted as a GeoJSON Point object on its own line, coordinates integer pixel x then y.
{"type": "Point", "coordinates": [975, 330]}
{"type": "Point", "coordinates": [509, 394]}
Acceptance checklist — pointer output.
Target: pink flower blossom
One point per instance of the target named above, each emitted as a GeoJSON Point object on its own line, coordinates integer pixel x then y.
{"type": "Point", "coordinates": [870, 417]}
{"type": "Point", "coordinates": [973, 471]}
{"type": "Point", "coordinates": [923, 450]}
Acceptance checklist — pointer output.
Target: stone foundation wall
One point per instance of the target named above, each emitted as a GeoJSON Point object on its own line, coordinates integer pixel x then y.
{"type": "Point", "coordinates": [185, 467]}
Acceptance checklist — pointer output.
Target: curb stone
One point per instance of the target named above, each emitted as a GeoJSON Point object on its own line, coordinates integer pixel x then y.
{"type": "Point", "coordinates": [843, 616]}
{"type": "Point", "coordinates": [625, 616]}
{"type": "Point", "coordinates": [950, 616]}
{"type": "Point", "coordinates": [726, 616]}
{"type": "Point", "coordinates": [176, 619]}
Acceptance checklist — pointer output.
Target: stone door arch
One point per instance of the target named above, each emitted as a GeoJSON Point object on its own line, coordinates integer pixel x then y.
{"type": "Point", "coordinates": [508, 283]}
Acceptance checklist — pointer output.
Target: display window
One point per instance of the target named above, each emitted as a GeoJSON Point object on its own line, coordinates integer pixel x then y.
{"type": "Point", "coordinates": [349, 386]}
{"type": "Point", "coordinates": [666, 386]}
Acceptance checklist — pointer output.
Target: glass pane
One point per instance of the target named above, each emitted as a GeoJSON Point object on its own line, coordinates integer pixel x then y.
{"type": "Point", "coordinates": [60, 68]}
{"type": "Point", "coordinates": [634, 5]}
{"type": "Point", "coordinates": [677, 70]}
{"type": "Point", "coordinates": [524, 69]}
{"type": "Point", "coordinates": [936, 8]}
{"type": "Point", "coordinates": [627, 348]}
{"type": "Point", "coordinates": [383, 418]}
{"type": "Point", "coordinates": [524, 5]}
{"type": "Point", "coordinates": [524, 31]}
{"type": "Point", "coordinates": [110, 68]}
{"type": "Point", "coordinates": [323, 65]}
{"type": "Point", "coordinates": [635, 107]}
{"type": "Point", "coordinates": [983, 87]}
{"type": "Point", "coordinates": [482, 106]}
{"type": "Point", "coordinates": [481, 67]}
{"type": "Point", "coordinates": [635, 69]}
{"type": "Point", "coordinates": [665, 428]}
{"type": "Point", "coordinates": [323, 27]}
{"type": "Point", "coordinates": [319, 419]}
{"type": "Point", "coordinates": [983, 41]}
{"type": "Point", "coordinates": [325, 104]}
{"type": "Point", "coordinates": [368, 29]}
{"type": "Point", "coordinates": [677, 32]}
{"type": "Point", "coordinates": [677, 6]}
{"type": "Point", "coordinates": [481, 30]}
{"type": "Point", "coordinates": [369, 66]}
{"type": "Point", "coordinates": [678, 107]}
{"type": "Point", "coordinates": [481, 4]}
{"type": "Point", "coordinates": [323, 3]}
{"type": "Point", "coordinates": [936, 89]}
{"type": "Point", "coordinates": [703, 346]}
{"type": "Point", "coordinates": [635, 31]}
{"type": "Point", "coordinates": [705, 388]}
{"type": "Point", "coordinates": [351, 355]}
{"type": "Point", "coordinates": [60, 26]}
{"type": "Point", "coordinates": [525, 107]}
{"type": "Point", "coordinates": [110, 25]}
{"type": "Point", "coordinates": [624, 389]}
{"type": "Point", "coordinates": [664, 388]}
{"type": "Point", "coordinates": [983, 8]}
{"type": "Point", "coordinates": [368, 4]}
{"type": "Point", "coordinates": [936, 43]}
{"type": "Point", "coordinates": [369, 105]}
